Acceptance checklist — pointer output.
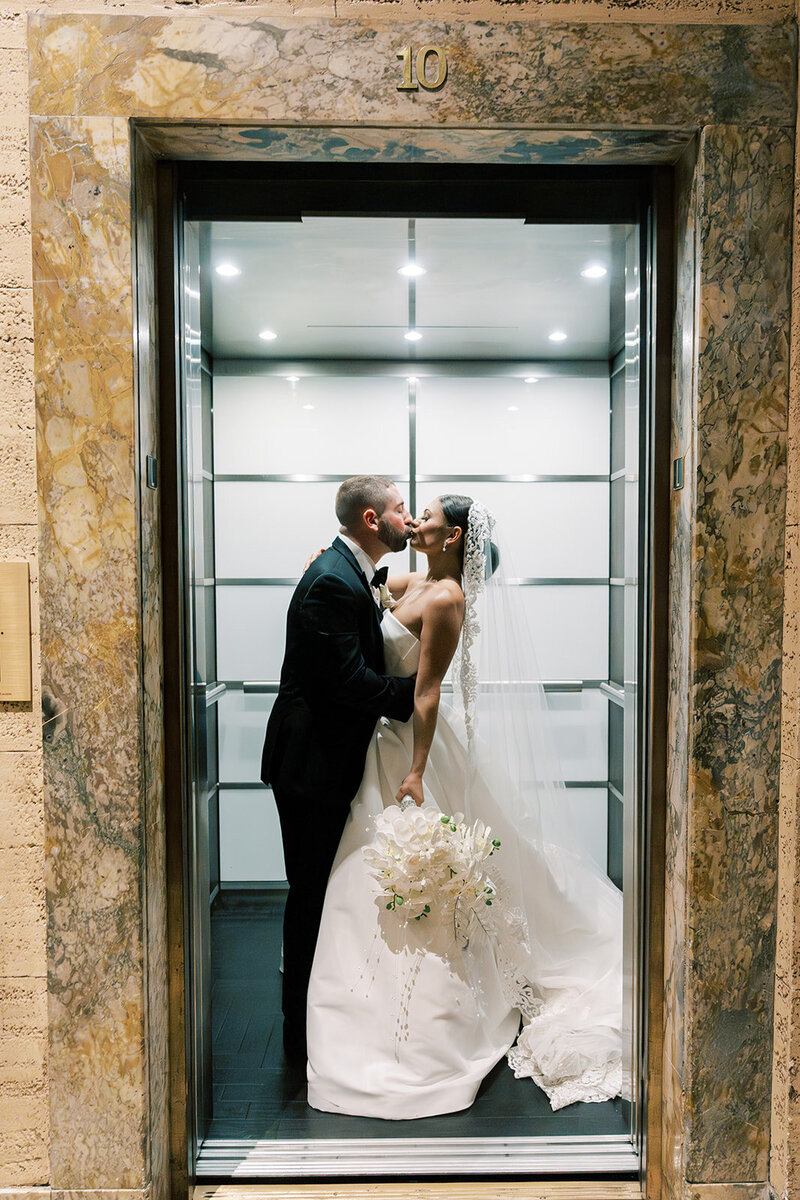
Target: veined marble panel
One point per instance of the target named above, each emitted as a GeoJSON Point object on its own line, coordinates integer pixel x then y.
{"type": "Point", "coordinates": [744, 214]}
{"type": "Point", "coordinates": [91, 647]}
{"type": "Point", "coordinates": [370, 144]}
{"type": "Point", "coordinates": [196, 66]}
{"type": "Point", "coordinates": [681, 633]}
{"type": "Point", "coordinates": [152, 715]}
{"type": "Point", "coordinates": [746, 280]}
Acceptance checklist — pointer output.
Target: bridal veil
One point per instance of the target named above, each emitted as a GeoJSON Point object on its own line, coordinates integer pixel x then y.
{"type": "Point", "coordinates": [561, 957]}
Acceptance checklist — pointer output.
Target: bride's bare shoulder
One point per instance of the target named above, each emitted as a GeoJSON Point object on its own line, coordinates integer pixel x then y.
{"type": "Point", "coordinates": [444, 595]}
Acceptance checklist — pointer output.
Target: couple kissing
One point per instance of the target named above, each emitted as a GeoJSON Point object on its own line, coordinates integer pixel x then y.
{"type": "Point", "coordinates": [395, 1018]}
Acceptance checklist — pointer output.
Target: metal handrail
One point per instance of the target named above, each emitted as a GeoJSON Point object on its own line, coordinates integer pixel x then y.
{"type": "Point", "coordinates": [212, 693]}
{"type": "Point", "coordinates": [270, 686]}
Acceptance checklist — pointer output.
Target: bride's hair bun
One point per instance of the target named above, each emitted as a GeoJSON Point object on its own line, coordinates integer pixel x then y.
{"type": "Point", "coordinates": [493, 558]}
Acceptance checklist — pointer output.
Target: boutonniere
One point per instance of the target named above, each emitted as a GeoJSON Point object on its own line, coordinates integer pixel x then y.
{"type": "Point", "coordinates": [386, 598]}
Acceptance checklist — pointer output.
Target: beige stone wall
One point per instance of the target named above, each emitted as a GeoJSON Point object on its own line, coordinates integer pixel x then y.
{"type": "Point", "coordinates": [23, 995]}
{"type": "Point", "coordinates": [24, 1124]}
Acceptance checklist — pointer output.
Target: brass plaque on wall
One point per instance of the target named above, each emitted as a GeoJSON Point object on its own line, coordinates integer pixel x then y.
{"type": "Point", "coordinates": [15, 632]}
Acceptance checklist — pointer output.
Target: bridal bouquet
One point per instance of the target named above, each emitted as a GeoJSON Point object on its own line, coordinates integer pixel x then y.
{"type": "Point", "coordinates": [432, 865]}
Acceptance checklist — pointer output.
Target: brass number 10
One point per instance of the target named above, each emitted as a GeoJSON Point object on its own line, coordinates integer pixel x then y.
{"type": "Point", "coordinates": [421, 64]}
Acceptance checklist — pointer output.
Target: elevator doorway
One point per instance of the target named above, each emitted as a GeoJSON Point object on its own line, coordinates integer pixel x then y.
{"type": "Point", "coordinates": [526, 384]}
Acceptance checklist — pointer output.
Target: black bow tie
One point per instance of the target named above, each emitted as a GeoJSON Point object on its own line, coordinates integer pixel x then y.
{"type": "Point", "coordinates": [380, 577]}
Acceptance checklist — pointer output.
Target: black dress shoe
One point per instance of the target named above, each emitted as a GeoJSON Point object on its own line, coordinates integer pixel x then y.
{"type": "Point", "coordinates": [295, 1049]}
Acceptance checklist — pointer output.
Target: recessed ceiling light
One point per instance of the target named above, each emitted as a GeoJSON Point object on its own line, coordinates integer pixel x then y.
{"type": "Point", "coordinates": [412, 379]}
{"type": "Point", "coordinates": [268, 335]}
{"type": "Point", "coordinates": [513, 408]}
{"type": "Point", "coordinates": [532, 379]}
{"type": "Point", "coordinates": [594, 271]}
{"type": "Point", "coordinates": [557, 335]}
{"type": "Point", "coordinates": [413, 335]}
{"type": "Point", "coordinates": [292, 378]}
{"type": "Point", "coordinates": [308, 407]}
{"type": "Point", "coordinates": [411, 270]}
{"type": "Point", "coordinates": [228, 269]}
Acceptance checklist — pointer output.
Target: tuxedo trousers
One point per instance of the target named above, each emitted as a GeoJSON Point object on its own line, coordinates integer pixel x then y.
{"type": "Point", "coordinates": [311, 836]}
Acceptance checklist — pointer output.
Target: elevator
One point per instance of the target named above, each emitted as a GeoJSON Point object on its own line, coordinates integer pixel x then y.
{"type": "Point", "coordinates": [487, 331]}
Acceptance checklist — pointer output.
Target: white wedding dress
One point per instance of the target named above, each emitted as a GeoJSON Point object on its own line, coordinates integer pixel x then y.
{"type": "Point", "coordinates": [396, 1027]}
{"type": "Point", "coordinates": [404, 1024]}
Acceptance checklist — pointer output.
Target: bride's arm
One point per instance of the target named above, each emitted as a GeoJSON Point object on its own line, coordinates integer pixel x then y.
{"type": "Point", "coordinates": [441, 626]}
{"type": "Point", "coordinates": [398, 585]}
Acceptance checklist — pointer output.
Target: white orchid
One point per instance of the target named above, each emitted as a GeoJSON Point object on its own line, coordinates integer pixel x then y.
{"type": "Point", "coordinates": [429, 864]}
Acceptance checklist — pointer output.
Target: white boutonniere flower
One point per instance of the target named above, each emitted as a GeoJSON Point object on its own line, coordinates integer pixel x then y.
{"type": "Point", "coordinates": [386, 598]}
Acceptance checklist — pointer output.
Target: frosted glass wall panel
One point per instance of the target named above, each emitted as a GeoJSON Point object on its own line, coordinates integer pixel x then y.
{"type": "Point", "coordinates": [262, 426]}
{"type": "Point", "coordinates": [588, 814]}
{"type": "Point", "coordinates": [579, 724]}
{"type": "Point", "coordinates": [270, 529]}
{"type": "Point", "coordinates": [569, 632]}
{"type": "Point", "coordinates": [250, 837]}
{"type": "Point", "coordinates": [560, 426]}
{"type": "Point", "coordinates": [550, 529]}
{"type": "Point", "coordinates": [242, 725]}
{"type": "Point", "coordinates": [251, 631]}
{"type": "Point", "coordinates": [569, 626]}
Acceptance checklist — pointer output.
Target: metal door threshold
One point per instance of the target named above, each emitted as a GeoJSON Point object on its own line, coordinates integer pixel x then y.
{"type": "Point", "coordinates": [280, 1158]}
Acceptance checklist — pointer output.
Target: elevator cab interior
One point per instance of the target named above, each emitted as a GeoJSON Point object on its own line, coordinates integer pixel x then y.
{"type": "Point", "coordinates": [473, 330]}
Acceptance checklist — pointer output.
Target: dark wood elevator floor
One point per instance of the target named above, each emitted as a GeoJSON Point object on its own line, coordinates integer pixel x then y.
{"type": "Point", "coordinates": [256, 1095]}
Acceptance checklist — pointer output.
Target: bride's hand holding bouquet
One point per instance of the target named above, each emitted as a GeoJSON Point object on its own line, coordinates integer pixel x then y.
{"type": "Point", "coordinates": [411, 789]}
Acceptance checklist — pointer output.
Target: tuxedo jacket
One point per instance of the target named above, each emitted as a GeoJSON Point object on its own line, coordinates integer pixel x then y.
{"type": "Point", "coordinates": [333, 688]}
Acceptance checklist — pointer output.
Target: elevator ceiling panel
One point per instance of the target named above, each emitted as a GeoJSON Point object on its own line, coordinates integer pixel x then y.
{"type": "Point", "coordinates": [328, 287]}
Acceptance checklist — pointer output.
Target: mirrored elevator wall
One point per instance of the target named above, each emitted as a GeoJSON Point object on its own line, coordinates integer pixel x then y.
{"type": "Point", "coordinates": [554, 455]}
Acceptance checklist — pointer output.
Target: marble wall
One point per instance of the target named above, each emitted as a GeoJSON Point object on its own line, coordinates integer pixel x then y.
{"type": "Point", "coordinates": [743, 292]}
{"type": "Point", "coordinates": [729, 422]}
{"type": "Point", "coordinates": [154, 839]}
{"type": "Point", "coordinates": [91, 650]}
{"type": "Point", "coordinates": [103, 815]}
{"type": "Point", "coordinates": [681, 639]}
{"type": "Point", "coordinates": [347, 71]}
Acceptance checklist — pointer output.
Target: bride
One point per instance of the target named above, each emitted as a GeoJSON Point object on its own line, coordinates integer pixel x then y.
{"type": "Point", "coordinates": [405, 1019]}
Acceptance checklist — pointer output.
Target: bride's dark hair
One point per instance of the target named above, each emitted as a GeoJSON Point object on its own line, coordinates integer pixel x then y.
{"type": "Point", "coordinates": [455, 510]}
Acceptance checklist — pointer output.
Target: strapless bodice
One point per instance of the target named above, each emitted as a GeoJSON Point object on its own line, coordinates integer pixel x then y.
{"type": "Point", "coordinates": [400, 647]}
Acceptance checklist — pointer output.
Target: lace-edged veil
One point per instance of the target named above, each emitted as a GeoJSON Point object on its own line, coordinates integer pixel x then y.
{"type": "Point", "coordinates": [562, 965]}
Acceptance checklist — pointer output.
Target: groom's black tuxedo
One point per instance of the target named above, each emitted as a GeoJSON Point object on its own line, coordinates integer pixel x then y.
{"type": "Point", "coordinates": [332, 692]}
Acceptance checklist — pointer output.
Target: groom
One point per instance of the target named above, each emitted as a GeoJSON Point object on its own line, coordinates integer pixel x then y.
{"type": "Point", "coordinates": [332, 692]}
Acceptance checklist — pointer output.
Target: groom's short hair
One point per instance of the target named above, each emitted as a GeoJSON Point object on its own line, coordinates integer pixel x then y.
{"type": "Point", "coordinates": [358, 494]}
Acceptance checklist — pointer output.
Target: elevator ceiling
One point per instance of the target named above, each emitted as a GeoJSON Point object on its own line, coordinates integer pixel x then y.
{"type": "Point", "coordinates": [328, 287]}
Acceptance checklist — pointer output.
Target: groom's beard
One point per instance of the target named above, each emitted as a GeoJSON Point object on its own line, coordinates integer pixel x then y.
{"type": "Point", "coordinates": [390, 537]}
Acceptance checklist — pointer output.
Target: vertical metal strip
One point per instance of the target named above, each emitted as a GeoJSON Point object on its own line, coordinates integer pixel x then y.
{"type": "Point", "coordinates": [412, 383]}
{"type": "Point", "coordinates": [412, 455]}
{"type": "Point", "coordinates": [412, 283]}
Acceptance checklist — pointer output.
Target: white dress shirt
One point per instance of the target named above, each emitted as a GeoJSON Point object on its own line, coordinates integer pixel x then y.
{"type": "Point", "coordinates": [365, 562]}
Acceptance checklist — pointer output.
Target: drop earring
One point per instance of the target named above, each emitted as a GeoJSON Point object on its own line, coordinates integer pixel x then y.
{"type": "Point", "coordinates": [444, 547]}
